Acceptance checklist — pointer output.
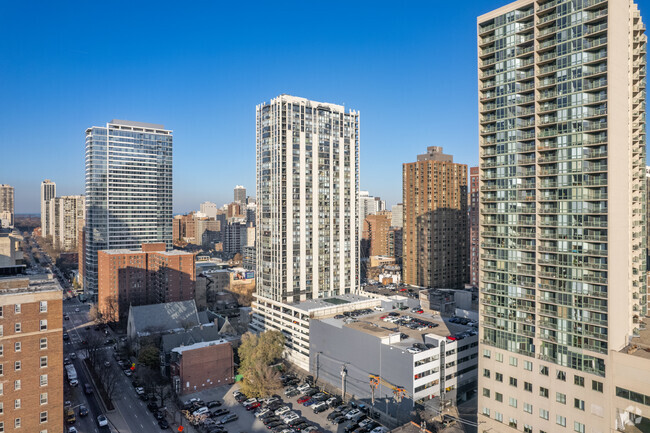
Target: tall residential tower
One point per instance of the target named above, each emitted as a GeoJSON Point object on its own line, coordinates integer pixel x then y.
{"type": "Point", "coordinates": [128, 189]}
{"type": "Point", "coordinates": [562, 158]}
{"type": "Point", "coordinates": [6, 206]}
{"type": "Point", "coordinates": [48, 192]}
{"type": "Point", "coordinates": [308, 194]}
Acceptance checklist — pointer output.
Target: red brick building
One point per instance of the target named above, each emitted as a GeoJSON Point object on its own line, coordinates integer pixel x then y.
{"type": "Point", "coordinates": [202, 366]}
{"type": "Point", "coordinates": [31, 355]}
{"type": "Point", "coordinates": [473, 225]}
{"type": "Point", "coordinates": [149, 276]}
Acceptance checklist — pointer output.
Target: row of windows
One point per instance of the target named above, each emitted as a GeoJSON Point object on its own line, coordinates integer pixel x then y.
{"type": "Point", "coordinates": [559, 420]}
{"type": "Point", "coordinates": [17, 402]}
{"type": "Point", "coordinates": [18, 327]}
{"type": "Point", "coordinates": [18, 308]}
{"type": "Point", "coordinates": [17, 367]}
{"type": "Point", "coordinates": [18, 346]}
{"type": "Point", "coordinates": [18, 422]}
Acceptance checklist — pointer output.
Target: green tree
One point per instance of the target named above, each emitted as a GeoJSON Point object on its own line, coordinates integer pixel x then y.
{"type": "Point", "coordinates": [257, 353]}
{"type": "Point", "coordinates": [150, 356]}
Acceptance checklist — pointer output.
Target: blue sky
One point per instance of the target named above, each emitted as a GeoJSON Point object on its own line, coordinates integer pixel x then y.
{"type": "Point", "coordinates": [201, 67]}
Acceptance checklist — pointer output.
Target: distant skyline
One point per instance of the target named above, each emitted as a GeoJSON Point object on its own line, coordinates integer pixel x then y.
{"type": "Point", "coordinates": [201, 68]}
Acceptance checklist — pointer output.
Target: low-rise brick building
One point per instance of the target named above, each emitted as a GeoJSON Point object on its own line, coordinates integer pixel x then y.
{"type": "Point", "coordinates": [201, 366]}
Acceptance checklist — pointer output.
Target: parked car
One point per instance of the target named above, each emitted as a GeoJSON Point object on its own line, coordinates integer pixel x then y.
{"type": "Point", "coordinates": [339, 419]}
{"type": "Point", "coordinates": [102, 421]}
{"type": "Point", "coordinates": [214, 403]}
{"type": "Point", "coordinates": [73, 355]}
{"type": "Point", "coordinates": [219, 412]}
{"type": "Point", "coordinates": [355, 413]}
{"type": "Point", "coordinates": [128, 373]}
{"type": "Point", "coordinates": [229, 418]}
{"type": "Point", "coordinates": [163, 424]}
{"type": "Point", "coordinates": [274, 424]}
{"type": "Point", "coordinates": [201, 411]}
{"type": "Point", "coordinates": [249, 401]}
{"type": "Point", "coordinates": [320, 407]}
{"type": "Point", "coordinates": [88, 389]}
{"type": "Point", "coordinates": [282, 410]}
{"type": "Point", "coordinates": [83, 410]}
{"type": "Point", "coordinates": [311, 391]}
{"type": "Point", "coordinates": [253, 406]}
{"type": "Point", "coordinates": [152, 406]}
{"type": "Point", "coordinates": [309, 402]}
{"type": "Point", "coordinates": [262, 412]}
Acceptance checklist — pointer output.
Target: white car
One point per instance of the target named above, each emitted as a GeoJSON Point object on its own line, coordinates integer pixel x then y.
{"type": "Point", "coordinates": [282, 410]}
{"type": "Point", "coordinates": [380, 429]}
{"type": "Point", "coordinates": [353, 413]}
{"type": "Point", "coordinates": [378, 308]}
{"type": "Point", "coordinates": [249, 401]}
{"type": "Point", "coordinates": [304, 387]}
{"type": "Point", "coordinates": [289, 416]}
{"type": "Point", "coordinates": [139, 390]}
{"type": "Point", "coordinates": [102, 421]}
{"type": "Point", "coordinates": [201, 411]}
{"type": "Point", "coordinates": [72, 430]}
{"type": "Point", "coordinates": [262, 412]}
{"type": "Point", "coordinates": [413, 350]}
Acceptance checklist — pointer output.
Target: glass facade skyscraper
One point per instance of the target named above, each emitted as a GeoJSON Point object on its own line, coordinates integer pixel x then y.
{"type": "Point", "coordinates": [128, 189]}
{"type": "Point", "coordinates": [562, 202]}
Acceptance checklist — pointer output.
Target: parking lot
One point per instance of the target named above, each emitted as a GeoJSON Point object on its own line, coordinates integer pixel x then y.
{"type": "Point", "coordinates": [248, 422]}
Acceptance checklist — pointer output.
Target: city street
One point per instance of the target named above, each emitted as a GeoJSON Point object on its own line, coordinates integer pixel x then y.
{"type": "Point", "coordinates": [131, 414]}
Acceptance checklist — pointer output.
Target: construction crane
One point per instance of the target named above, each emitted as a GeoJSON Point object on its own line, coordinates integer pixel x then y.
{"type": "Point", "coordinates": [398, 392]}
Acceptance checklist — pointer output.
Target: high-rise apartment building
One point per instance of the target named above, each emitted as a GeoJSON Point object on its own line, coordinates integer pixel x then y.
{"type": "Point", "coordinates": [149, 275]}
{"type": "Point", "coordinates": [307, 231]}
{"type": "Point", "coordinates": [209, 209]}
{"type": "Point", "coordinates": [240, 195]}
{"type": "Point", "coordinates": [397, 215]}
{"type": "Point", "coordinates": [64, 214]}
{"type": "Point", "coordinates": [374, 237]}
{"type": "Point", "coordinates": [48, 191]}
{"type": "Point", "coordinates": [473, 213]}
{"type": "Point", "coordinates": [31, 344]}
{"type": "Point", "coordinates": [435, 221]}
{"type": "Point", "coordinates": [562, 189]}
{"type": "Point", "coordinates": [6, 206]}
{"type": "Point", "coordinates": [128, 189]}
{"type": "Point", "coordinates": [369, 205]}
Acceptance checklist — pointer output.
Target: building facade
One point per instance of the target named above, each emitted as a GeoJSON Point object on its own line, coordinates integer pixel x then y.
{"type": "Point", "coordinates": [7, 210]}
{"type": "Point", "coordinates": [239, 195]}
{"type": "Point", "coordinates": [369, 205]}
{"type": "Point", "coordinates": [128, 189]}
{"type": "Point", "coordinates": [31, 340]}
{"type": "Point", "coordinates": [562, 188]}
{"type": "Point", "coordinates": [209, 209]}
{"type": "Point", "coordinates": [374, 237]}
{"type": "Point", "coordinates": [435, 221]}
{"type": "Point", "coordinates": [48, 191]}
{"type": "Point", "coordinates": [150, 275]}
{"type": "Point", "coordinates": [65, 214]}
{"type": "Point", "coordinates": [473, 214]}
{"type": "Point", "coordinates": [397, 215]}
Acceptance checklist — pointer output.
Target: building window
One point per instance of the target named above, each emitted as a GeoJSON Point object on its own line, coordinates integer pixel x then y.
{"type": "Point", "coordinates": [561, 376]}
{"type": "Point", "coordinates": [543, 370]}
{"type": "Point", "coordinates": [2, 408]}
{"type": "Point", "coordinates": [17, 327]}
{"type": "Point", "coordinates": [1, 369]}
{"type": "Point", "coordinates": [43, 325]}
{"type": "Point", "coordinates": [1, 331]}
{"type": "Point", "coordinates": [2, 350]}
{"type": "Point", "coordinates": [44, 398]}
{"type": "Point", "coordinates": [579, 404]}
{"type": "Point", "coordinates": [579, 380]}
{"type": "Point", "coordinates": [486, 373]}
{"type": "Point", "coordinates": [513, 381]}
{"type": "Point", "coordinates": [543, 413]}
{"type": "Point", "coordinates": [16, 365]}
{"type": "Point", "coordinates": [43, 417]}
{"type": "Point", "coordinates": [43, 307]}
{"type": "Point", "coordinates": [486, 392]}
{"type": "Point", "coordinates": [498, 416]}
{"type": "Point", "coordinates": [498, 377]}
{"type": "Point", "coordinates": [528, 386]}
{"type": "Point", "coordinates": [498, 397]}
{"type": "Point", "coordinates": [486, 411]}
{"type": "Point", "coordinates": [43, 379]}
{"type": "Point", "coordinates": [528, 428]}
{"type": "Point", "coordinates": [487, 353]}
{"type": "Point", "coordinates": [43, 361]}
{"type": "Point", "coordinates": [512, 423]}
{"type": "Point", "coordinates": [513, 361]}
{"type": "Point", "coordinates": [498, 356]}
{"type": "Point", "coordinates": [16, 385]}
{"type": "Point", "coordinates": [597, 386]}
{"type": "Point", "coordinates": [512, 402]}
{"type": "Point", "coordinates": [528, 408]}
{"type": "Point", "coordinates": [2, 427]}
{"type": "Point", "coordinates": [560, 398]}
{"type": "Point", "coordinates": [580, 428]}
{"type": "Point", "coordinates": [43, 343]}
{"type": "Point", "coordinates": [560, 420]}
{"type": "Point", "coordinates": [17, 423]}
{"type": "Point", "coordinates": [543, 392]}
{"type": "Point", "coordinates": [17, 346]}
{"type": "Point", "coordinates": [1, 313]}
{"type": "Point", "coordinates": [17, 403]}
{"type": "Point", "coordinates": [17, 308]}
{"type": "Point", "coordinates": [528, 365]}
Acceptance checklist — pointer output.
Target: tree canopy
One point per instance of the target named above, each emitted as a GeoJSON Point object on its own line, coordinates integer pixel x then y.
{"type": "Point", "coordinates": [257, 353]}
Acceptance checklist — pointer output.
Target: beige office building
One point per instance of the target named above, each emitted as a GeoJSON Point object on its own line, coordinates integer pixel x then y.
{"type": "Point", "coordinates": [562, 231]}
{"type": "Point", "coordinates": [64, 215]}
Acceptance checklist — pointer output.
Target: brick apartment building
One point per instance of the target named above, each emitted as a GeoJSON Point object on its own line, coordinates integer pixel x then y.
{"type": "Point", "coordinates": [435, 221]}
{"type": "Point", "coordinates": [139, 277]}
{"type": "Point", "coordinates": [31, 355]}
{"type": "Point", "coordinates": [374, 236]}
{"type": "Point", "coordinates": [202, 366]}
{"type": "Point", "coordinates": [473, 225]}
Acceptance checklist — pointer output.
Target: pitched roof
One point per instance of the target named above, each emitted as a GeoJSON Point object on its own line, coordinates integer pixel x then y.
{"type": "Point", "coordinates": [186, 338]}
{"type": "Point", "coordinates": [160, 318]}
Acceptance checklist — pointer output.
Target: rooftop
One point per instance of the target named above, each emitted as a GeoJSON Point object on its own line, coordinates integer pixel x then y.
{"type": "Point", "coordinates": [324, 303]}
{"type": "Point", "coordinates": [140, 124]}
{"type": "Point", "coordinates": [28, 284]}
{"type": "Point", "coordinates": [639, 346]}
{"type": "Point", "coordinates": [164, 317]}
{"type": "Point", "coordinates": [373, 324]}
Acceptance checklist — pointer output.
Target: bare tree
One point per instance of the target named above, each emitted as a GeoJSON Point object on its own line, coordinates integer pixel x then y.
{"type": "Point", "coordinates": [109, 380]}
{"type": "Point", "coordinates": [94, 345]}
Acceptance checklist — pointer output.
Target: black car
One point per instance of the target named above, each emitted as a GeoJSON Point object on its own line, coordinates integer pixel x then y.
{"type": "Point", "coordinates": [241, 398]}
{"type": "Point", "coordinates": [339, 419]}
{"type": "Point", "coordinates": [271, 420]}
{"type": "Point", "coordinates": [274, 424]}
{"type": "Point", "coordinates": [301, 426]}
{"type": "Point", "coordinates": [352, 427]}
{"type": "Point", "coordinates": [159, 415]}
{"type": "Point", "coordinates": [66, 336]}
{"type": "Point", "coordinates": [219, 412]}
{"type": "Point", "coordinates": [152, 406]}
{"type": "Point", "coordinates": [275, 406]}
{"type": "Point", "coordinates": [333, 415]}
{"type": "Point", "coordinates": [311, 391]}
{"type": "Point", "coordinates": [229, 418]}
{"type": "Point", "coordinates": [320, 409]}
{"type": "Point", "coordinates": [296, 421]}
{"type": "Point", "coordinates": [83, 411]}
{"type": "Point", "coordinates": [163, 424]}
{"type": "Point", "coordinates": [213, 403]}
{"type": "Point", "coordinates": [279, 428]}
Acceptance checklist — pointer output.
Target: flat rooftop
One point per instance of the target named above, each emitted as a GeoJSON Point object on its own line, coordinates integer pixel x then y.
{"type": "Point", "coordinates": [373, 324]}
{"type": "Point", "coordinates": [639, 346]}
{"type": "Point", "coordinates": [335, 301]}
{"type": "Point", "coordinates": [18, 284]}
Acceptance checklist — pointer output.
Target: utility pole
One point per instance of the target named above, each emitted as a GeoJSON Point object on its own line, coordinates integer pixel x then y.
{"type": "Point", "coordinates": [344, 372]}
{"type": "Point", "coordinates": [374, 382]}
